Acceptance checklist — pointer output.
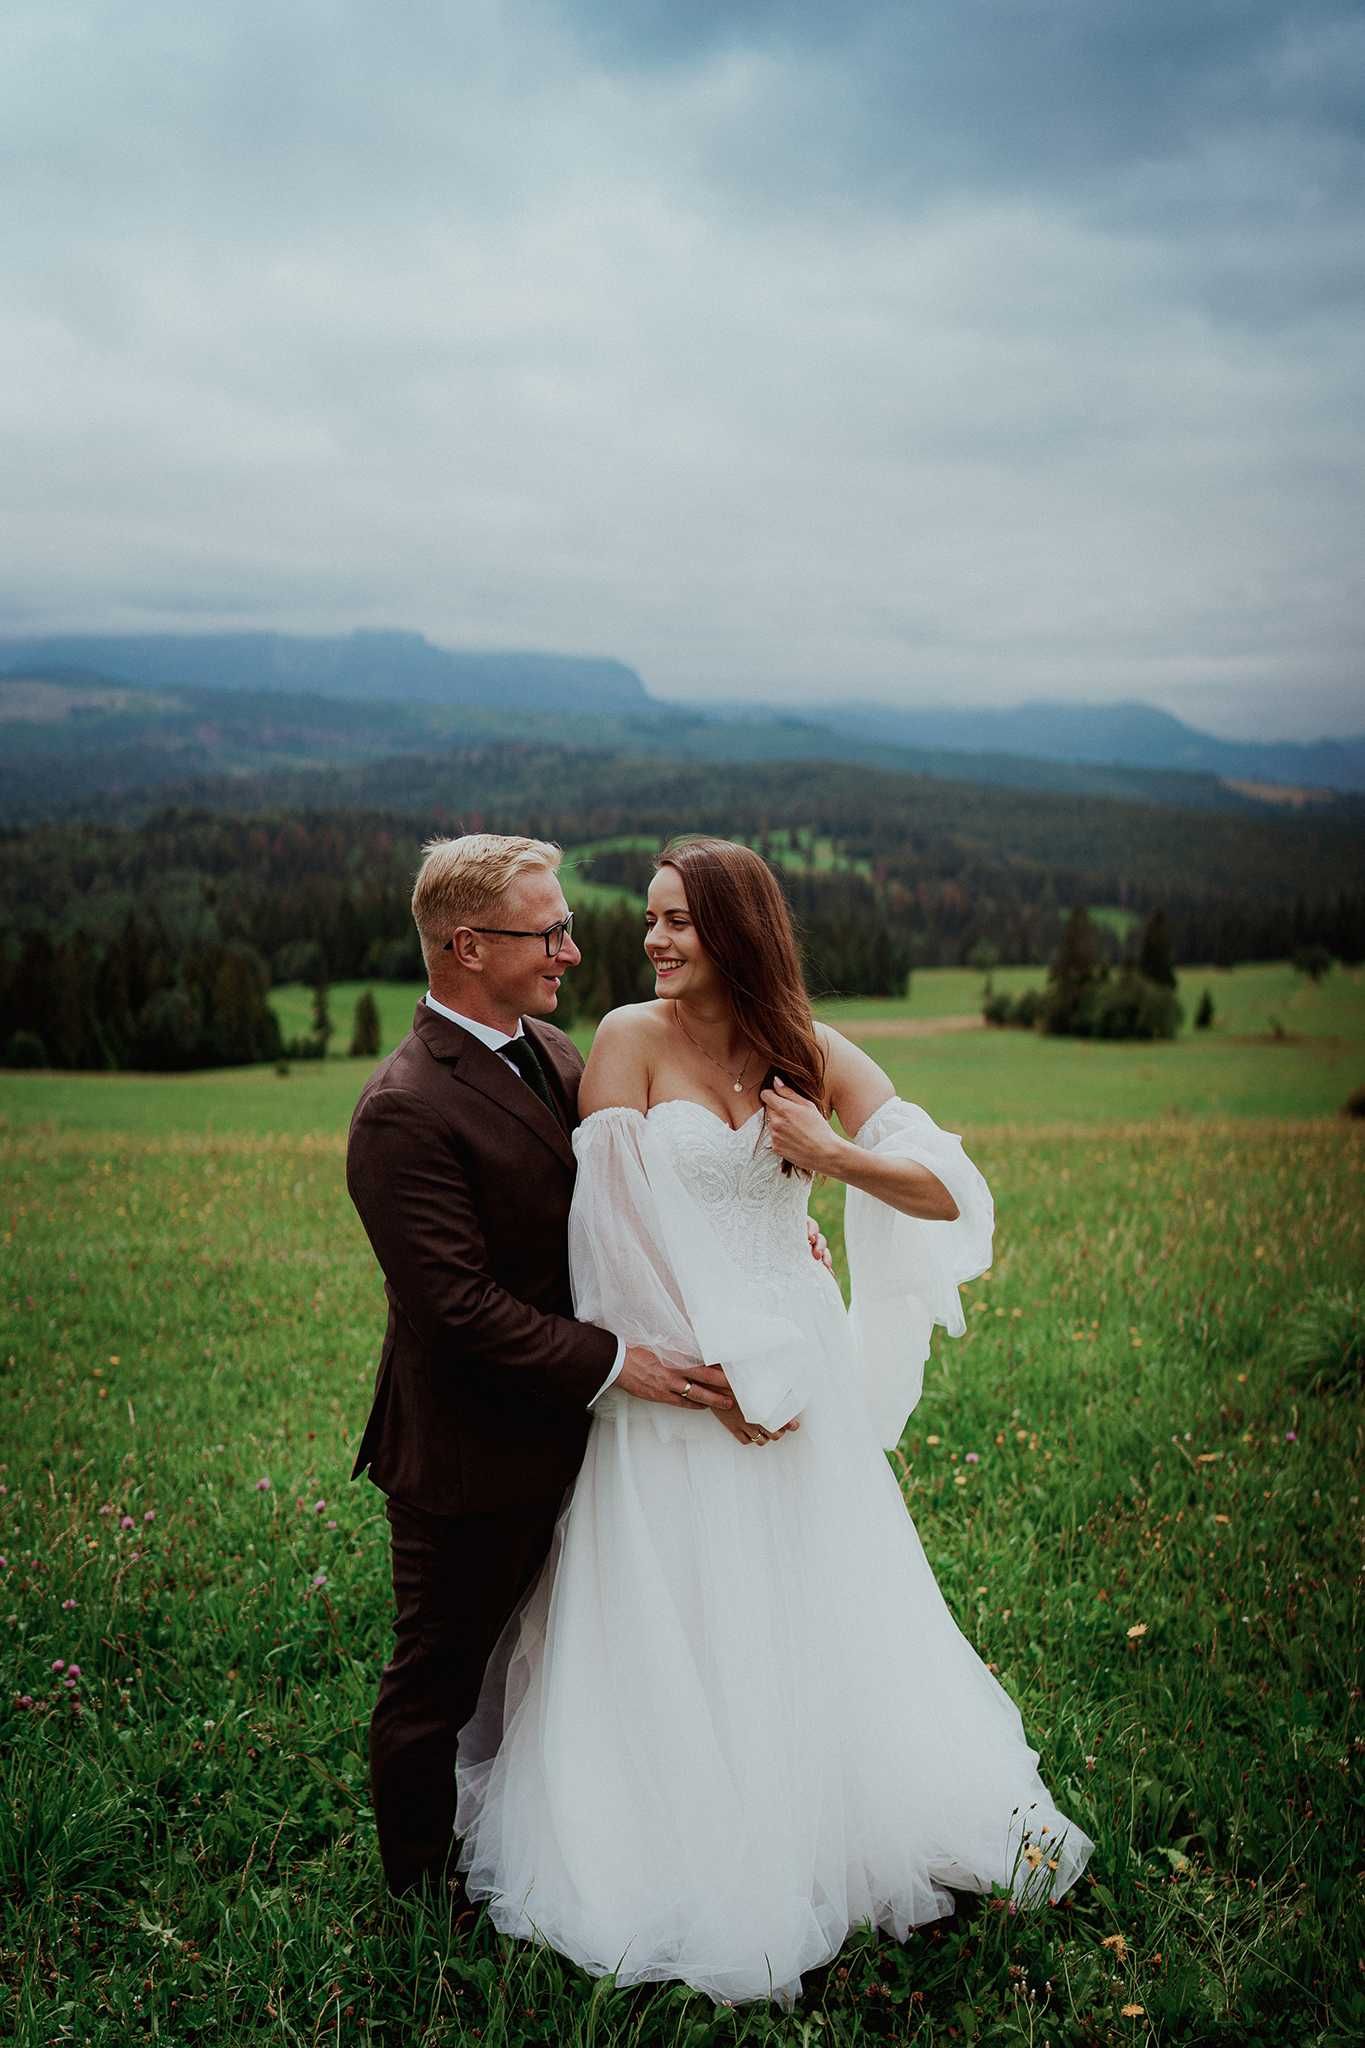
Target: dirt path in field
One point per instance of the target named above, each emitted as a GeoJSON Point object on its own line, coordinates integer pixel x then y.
{"type": "Point", "coordinates": [908, 1027]}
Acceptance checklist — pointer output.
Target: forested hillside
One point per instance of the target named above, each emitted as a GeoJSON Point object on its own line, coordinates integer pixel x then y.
{"type": "Point", "coordinates": [75, 742]}
{"type": "Point", "coordinates": [155, 944]}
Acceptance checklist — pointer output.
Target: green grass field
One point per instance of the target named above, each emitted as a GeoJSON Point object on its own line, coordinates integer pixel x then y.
{"type": "Point", "coordinates": [1247, 1001]}
{"type": "Point", "coordinates": [1154, 1540]}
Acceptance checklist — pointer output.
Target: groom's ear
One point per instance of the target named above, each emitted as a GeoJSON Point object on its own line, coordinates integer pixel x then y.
{"type": "Point", "coordinates": [464, 949]}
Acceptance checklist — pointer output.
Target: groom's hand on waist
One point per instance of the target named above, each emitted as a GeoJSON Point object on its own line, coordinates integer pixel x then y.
{"type": "Point", "coordinates": [645, 1375]}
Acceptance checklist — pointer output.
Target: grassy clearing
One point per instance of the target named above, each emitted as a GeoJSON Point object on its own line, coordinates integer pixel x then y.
{"type": "Point", "coordinates": [1247, 1001]}
{"type": "Point", "coordinates": [1135, 1507]}
{"type": "Point", "coordinates": [1136, 1478]}
{"type": "Point", "coordinates": [971, 1080]}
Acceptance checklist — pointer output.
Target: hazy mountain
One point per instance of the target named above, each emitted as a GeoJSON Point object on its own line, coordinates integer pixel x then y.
{"type": "Point", "coordinates": [98, 723]}
{"type": "Point", "coordinates": [403, 667]}
{"type": "Point", "coordinates": [1130, 734]}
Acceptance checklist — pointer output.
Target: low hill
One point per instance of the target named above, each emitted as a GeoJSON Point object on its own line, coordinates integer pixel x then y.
{"type": "Point", "coordinates": [81, 742]}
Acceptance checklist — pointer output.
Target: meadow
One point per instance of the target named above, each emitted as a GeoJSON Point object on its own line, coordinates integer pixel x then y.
{"type": "Point", "coordinates": [1137, 1478]}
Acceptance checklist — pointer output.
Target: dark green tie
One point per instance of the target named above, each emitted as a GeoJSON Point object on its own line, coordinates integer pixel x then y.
{"type": "Point", "coordinates": [523, 1058]}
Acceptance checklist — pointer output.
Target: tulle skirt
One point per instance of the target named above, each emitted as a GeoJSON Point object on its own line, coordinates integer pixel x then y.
{"type": "Point", "coordinates": [734, 1718]}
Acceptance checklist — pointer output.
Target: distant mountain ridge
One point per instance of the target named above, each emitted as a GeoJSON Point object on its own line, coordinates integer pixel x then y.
{"type": "Point", "coordinates": [1131, 735]}
{"type": "Point", "coordinates": [385, 664]}
{"type": "Point", "coordinates": [102, 720]}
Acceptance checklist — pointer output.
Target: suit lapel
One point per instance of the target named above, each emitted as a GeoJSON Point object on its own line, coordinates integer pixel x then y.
{"type": "Point", "coordinates": [492, 1077]}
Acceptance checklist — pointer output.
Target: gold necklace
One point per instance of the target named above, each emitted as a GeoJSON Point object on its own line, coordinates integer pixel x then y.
{"type": "Point", "coordinates": [738, 1085]}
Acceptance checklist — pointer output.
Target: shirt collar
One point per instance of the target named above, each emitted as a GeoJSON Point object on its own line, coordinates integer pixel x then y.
{"type": "Point", "coordinates": [487, 1034]}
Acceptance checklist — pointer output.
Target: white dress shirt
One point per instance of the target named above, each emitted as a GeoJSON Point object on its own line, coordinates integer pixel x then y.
{"type": "Point", "coordinates": [498, 1041]}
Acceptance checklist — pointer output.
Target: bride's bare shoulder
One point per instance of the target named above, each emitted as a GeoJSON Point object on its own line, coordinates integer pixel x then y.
{"type": "Point", "coordinates": [632, 1024]}
{"type": "Point", "coordinates": [622, 1057]}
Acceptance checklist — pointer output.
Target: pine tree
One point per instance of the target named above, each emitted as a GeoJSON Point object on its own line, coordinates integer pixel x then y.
{"type": "Point", "coordinates": [322, 1016]}
{"type": "Point", "coordinates": [1074, 979]}
{"type": "Point", "coordinates": [365, 1030]}
{"type": "Point", "coordinates": [1154, 961]}
{"type": "Point", "coordinates": [1203, 1016]}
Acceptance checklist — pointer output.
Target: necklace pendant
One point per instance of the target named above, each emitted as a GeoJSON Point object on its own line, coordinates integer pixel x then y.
{"type": "Point", "coordinates": [739, 1087]}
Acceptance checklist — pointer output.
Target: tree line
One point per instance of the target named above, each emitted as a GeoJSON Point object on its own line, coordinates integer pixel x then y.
{"type": "Point", "coordinates": [156, 945]}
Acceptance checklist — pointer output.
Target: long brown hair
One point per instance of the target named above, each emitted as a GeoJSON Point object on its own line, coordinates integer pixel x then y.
{"type": "Point", "coordinates": [743, 921]}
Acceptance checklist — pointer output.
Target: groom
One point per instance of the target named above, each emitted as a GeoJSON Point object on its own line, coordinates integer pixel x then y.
{"type": "Point", "coordinates": [460, 1165]}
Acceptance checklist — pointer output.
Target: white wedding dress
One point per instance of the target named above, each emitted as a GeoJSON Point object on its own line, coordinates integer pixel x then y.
{"type": "Point", "coordinates": [734, 1717]}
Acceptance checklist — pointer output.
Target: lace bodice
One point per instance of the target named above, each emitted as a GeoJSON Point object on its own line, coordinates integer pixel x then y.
{"type": "Point", "coordinates": [685, 1236]}
{"type": "Point", "coordinates": [757, 1211]}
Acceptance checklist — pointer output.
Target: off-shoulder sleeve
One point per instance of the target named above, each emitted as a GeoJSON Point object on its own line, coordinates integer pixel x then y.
{"type": "Point", "coordinates": [904, 1271]}
{"type": "Point", "coordinates": [646, 1263]}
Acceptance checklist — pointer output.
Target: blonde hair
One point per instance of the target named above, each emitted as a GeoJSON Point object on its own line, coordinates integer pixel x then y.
{"type": "Point", "coordinates": [461, 879]}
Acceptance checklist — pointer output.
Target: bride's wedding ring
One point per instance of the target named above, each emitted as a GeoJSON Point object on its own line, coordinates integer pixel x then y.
{"type": "Point", "coordinates": [687, 1390]}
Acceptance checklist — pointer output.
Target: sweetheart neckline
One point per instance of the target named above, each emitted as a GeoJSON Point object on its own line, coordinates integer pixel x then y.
{"type": "Point", "coordinates": [690, 1102]}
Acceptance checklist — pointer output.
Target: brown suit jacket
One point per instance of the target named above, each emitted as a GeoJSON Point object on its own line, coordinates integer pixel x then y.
{"type": "Point", "coordinates": [463, 1180]}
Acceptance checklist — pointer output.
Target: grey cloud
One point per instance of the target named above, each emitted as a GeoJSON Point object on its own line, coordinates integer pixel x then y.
{"type": "Point", "coordinates": [990, 349]}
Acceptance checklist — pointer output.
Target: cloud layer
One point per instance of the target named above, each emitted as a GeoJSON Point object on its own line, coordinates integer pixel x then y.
{"type": "Point", "coordinates": [905, 352]}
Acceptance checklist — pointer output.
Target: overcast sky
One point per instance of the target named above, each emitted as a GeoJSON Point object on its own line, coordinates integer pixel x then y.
{"type": "Point", "coordinates": [920, 350]}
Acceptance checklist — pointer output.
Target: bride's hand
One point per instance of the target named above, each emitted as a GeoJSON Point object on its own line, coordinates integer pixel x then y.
{"type": "Point", "coordinates": [745, 1432]}
{"type": "Point", "coordinates": [797, 1131]}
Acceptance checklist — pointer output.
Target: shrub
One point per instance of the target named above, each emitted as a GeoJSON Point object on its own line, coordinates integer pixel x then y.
{"type": "Point", "coordinates": [1130, 1006]}
{"type": "Point", "coordinates": [25, 1049]}
{"type": "Point", "coordinates": [1029, 1005]}
{"type": "Point", "coordinates": [998, 1009]}
{"type": "Point", "coordinates": [1203, 1016]}
{"type": "Point", "coordinates": [1314, 961]}
{"type": "Point", "coordinates": [1354, 1105]}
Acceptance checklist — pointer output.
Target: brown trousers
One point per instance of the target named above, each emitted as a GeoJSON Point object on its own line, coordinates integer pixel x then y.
{"type": "Point", "coordinates": [456, 1581]}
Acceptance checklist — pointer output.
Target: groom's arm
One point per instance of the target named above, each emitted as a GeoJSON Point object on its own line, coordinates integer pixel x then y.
{"type": "Point", "coordinates": [419, 1214]}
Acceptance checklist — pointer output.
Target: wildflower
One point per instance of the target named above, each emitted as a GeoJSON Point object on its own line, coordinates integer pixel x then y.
{"type": "Point", "coordinates": [67, 1606]}
{"type": "Point", "coordinates": [25, 1700]}
{"type": "Point", "coordinates": [125, 1521]}
{"type": "Point", "coordinates": [4, 1564]}
{"type": "Point", "coordinates": [331, 1525]}
{"type": "Point", "coordinates": [1119, 1944]}
{"type": "Point", "coordinates": [150, 1515]}
{"type": "Point", "coordinates": [1130, 2012]}
{"type": "Point", "coordinates": [1222, 1518]}
{"type": "Point", "coordinates": [972, 1458]}
{"type": "Point", "coordinates": [1291, 1436]}
{"type": "Point", "coordinates": [108, 1508]}
{"type": "Point", "coordinates": [263, 1483]}
{"type": "Point", "coordinates": [73, 1670]}
{"type": "Point", "coordinates": [319, 1578]}
{"type": "Point", "coordinates": [1139, 1628]}
{"type": "Point", "coordinates": [59, 1663]}
{"type": "Point", "coordinates": [319, 1506]}
{"type": "Point", "coordinates": [933, 1439]}
{"type": "Point", "coordinates": [1032, 1856]}
{"type": "Point", "coordinates": [959, 1479]}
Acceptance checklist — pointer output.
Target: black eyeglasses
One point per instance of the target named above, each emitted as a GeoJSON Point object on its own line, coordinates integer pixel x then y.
{"type": "Point", "coordinates": [554, 935]}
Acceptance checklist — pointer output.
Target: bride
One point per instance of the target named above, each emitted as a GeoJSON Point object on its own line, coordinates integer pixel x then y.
{"type": "Point", "coordinates": [734, 1717]}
